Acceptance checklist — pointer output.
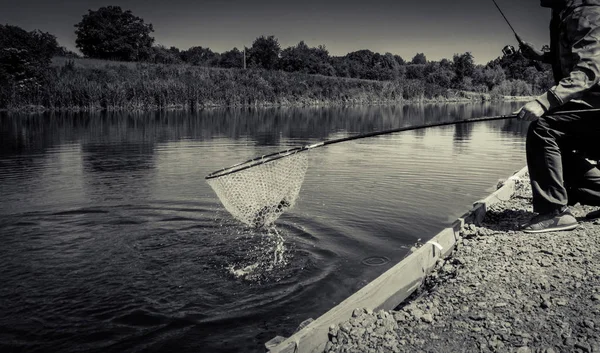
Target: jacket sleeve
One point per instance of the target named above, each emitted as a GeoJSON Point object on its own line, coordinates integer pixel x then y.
{"type": "Point", "coordinates": [583, 36]}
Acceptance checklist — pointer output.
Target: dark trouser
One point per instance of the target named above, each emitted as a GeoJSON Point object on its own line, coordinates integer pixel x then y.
{"type": "Point", "coordinates": [557, 145]}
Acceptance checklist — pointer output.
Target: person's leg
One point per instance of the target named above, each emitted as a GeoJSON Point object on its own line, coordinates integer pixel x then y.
{"type": "Point", "coordinates": [547, 144]}
{"type": "Point", "coordinates": [544, 161]}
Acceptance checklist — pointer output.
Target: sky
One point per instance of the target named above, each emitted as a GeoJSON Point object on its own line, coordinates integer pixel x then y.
{"type": "Point", "coordinates": [437, 28]}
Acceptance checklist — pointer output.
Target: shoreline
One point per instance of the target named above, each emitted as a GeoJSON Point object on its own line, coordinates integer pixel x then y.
{"type": "Point", "coordinates": [500, 290]}
{"type": "Point", "coordinates": [481, 97]}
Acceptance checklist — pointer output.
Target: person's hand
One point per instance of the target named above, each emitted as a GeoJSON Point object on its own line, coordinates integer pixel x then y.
{"type": "Point", "coordinates": [529, 51]}
{"type": "Point", "coordinates": [531, 111]}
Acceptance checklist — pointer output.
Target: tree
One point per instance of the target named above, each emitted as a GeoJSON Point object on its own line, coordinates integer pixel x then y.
{"type": "Point", "coordinates": [415, 72]}
{"type": "Point", "coordinates": [368, 65]}
{"type": "Point", "coordinates": [111, 33]}
{"type": "Point", "coordinates": [161, 55]}
{"type": "Point", "coordinates": [200, 56]}
{"type": "Point", "coordinates": [24, 55]}
{"type": "Point", "coordinates": [399, 60]}
{"type": "Point", "coordinates": [387, 67]}
{"type": "Point", "coordinates": [264, 52]}
{"type": "Point", "coordinates": [419, 59]}
{"type": "Point", "coordinates": [438, 74]}
{"type": "Point", "coordinates": [490, 76]}
{"type": "Point", "coordinates": [231, 59]}
{"type": "Point", "coordinates": [302, 58]}
{"type": "Point", "coordinates": [514, 65]}
{"type": "Point", "coordinates": [463, 66]}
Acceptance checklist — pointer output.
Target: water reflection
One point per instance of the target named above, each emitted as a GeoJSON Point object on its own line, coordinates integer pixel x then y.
{"type": "Point", "coordinates": [127, 158]}
{"type": "Point", "coordinates": [30, 133]}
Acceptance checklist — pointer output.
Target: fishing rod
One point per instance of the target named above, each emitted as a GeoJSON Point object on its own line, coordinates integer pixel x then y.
{"type": "Point", "coordinates": [281, 154]}
{"type": "Point", "coordinates": [507, 22]}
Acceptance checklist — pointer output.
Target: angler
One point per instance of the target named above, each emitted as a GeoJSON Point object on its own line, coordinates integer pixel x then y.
{"type": "Point", "coordinates": [559, 145]}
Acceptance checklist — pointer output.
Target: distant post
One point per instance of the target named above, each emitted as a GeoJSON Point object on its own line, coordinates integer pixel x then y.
{"type": "Point", "coordinates": [244, 57]}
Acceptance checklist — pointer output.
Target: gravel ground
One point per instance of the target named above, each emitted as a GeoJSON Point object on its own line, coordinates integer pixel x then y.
{"type": "Point", "coordinates": [501, 291]}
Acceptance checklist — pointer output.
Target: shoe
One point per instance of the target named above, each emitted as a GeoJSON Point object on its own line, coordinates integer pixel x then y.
{"type": "Point", "coordinates": [593, 215]}
{"type": "Point", "coordinates": [551, 222]}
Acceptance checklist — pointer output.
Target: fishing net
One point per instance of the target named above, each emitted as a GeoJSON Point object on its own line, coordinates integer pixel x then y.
{"type": "Point", "coordinates": [258, 191]}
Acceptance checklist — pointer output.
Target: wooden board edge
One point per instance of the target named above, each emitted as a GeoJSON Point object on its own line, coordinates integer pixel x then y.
{"type": "Point", "coordinates": [392, 287]}
{"type": "Point", "coordinates": [385, 292]}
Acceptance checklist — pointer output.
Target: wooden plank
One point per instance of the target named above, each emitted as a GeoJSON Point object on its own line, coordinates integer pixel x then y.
{"type": "Point", "coordinates": [385, 292]}
{"type": "Point", "coordinates": [504, 193]}
{"type": "Point", "coordinates": [395, 285]}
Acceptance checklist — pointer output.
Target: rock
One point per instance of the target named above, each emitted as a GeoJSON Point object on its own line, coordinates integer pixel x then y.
{"type": "Point", "coordinates": [588, 323]}
{"type": "Point", "coordinates": [358, 312]}
{"type": "Point", "coordinates": [354, 322]}
{"type": "Point", "coordinates": [478, 317]}
{"type": "Point", "coordinates": [596, 297]}
{"type": "Point", "coordinates": [524, 349]}
{"type": "Point", "coordinates": [545, 304]}
{"type": "Point", "coordinates": [568, 341]}
{"type": "Point", "coordinates": [382, 314]}
{"type": "Point", "coordinates": [523, 335]}
{"type": "Point", "coordinates": [459, 261]}
{"type": "Point", "coordinates": [500, 305]}
{"type": "Point", "coordinates": [583, 346]}
{"type": "Point", "coordinates": [390, 324]}
{"type": "Point", "coordinates": [343, 337]}
{"type": "Point", "coordinates": [561, 301]}
{"type": "Point", "coordinates": [417, 314]}
{"type": "Point", "coordinates": [399, 316]}
{"type": "Point", "coordinates": [549, 350]}
{"type": "Point", "coordinates": [357, 333]}
{"type": "Point", "coordinates": [345, 327]}
{"type": "Point", "coordinates": [428, 318]}
{"type": "Point", "coordinates": [333, 330]}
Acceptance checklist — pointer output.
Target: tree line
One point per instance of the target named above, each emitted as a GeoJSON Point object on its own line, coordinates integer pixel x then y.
{"type": "Point", "coordinates": [110, 33]}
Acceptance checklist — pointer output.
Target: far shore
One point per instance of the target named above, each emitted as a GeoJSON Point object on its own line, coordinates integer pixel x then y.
{"type": "Point", "coordinates": [474, 98]}
{"type": "Point", "coordinates": [96, 85]}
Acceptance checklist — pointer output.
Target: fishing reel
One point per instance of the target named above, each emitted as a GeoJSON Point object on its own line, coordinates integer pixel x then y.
{"type": "Point", "coordinates": [509, 50]}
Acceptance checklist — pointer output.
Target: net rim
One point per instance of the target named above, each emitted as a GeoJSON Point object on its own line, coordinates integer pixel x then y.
{"type": "Point", "coordinates": [254, 162]}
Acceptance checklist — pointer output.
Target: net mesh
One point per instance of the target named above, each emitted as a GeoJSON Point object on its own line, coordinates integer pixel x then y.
{"type": "Point", "coordinates": [259, 194]}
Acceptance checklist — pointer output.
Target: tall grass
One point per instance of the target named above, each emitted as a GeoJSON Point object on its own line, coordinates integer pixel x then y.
{"type": "Point", "coordinates": [84, 84]}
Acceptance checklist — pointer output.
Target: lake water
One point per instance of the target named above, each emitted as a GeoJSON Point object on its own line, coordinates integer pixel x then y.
{"type": "Point", "coordinates": [112, 240]}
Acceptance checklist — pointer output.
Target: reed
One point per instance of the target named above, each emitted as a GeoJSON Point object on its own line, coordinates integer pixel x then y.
{"type": "Point", "coordinates": [87, 84]}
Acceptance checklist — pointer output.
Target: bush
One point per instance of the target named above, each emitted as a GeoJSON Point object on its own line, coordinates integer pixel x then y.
{"type": "Point", "coordinates": [24, 60]}
{"type": "Point", "coordinates": [511, 88]}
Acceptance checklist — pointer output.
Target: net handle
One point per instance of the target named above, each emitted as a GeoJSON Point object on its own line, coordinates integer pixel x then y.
{"type": "Point", "coordinates": [277, 155]}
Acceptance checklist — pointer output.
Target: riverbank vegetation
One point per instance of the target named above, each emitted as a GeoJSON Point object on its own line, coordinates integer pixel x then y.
{"type": "Point", "coordinates": [124, 69]}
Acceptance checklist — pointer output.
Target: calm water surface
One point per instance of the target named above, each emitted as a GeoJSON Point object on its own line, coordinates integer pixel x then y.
{"type": "Point", "coordinates": [112, 240]}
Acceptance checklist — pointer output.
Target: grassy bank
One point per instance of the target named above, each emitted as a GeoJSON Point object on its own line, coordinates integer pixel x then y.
{"type": "Point", "coordinates": [84, 84]}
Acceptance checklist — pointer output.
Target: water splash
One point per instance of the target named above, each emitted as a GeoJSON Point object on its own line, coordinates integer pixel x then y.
{"type": "Point", "coordinates": [264, 259]}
